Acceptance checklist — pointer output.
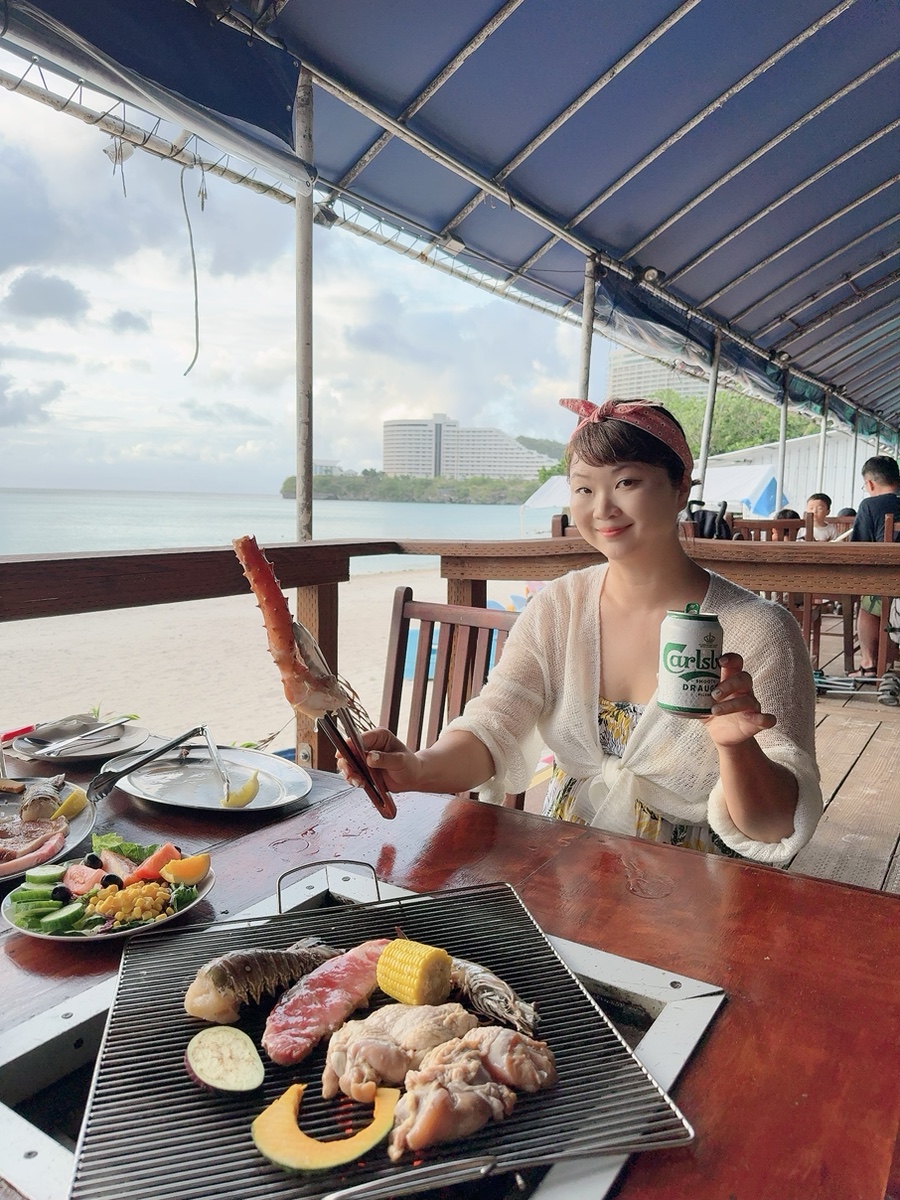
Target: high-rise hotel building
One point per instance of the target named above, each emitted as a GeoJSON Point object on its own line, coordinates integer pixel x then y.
{"type": "Point", "coordinates": [441, 446]}
{"type": "Point", "coordinates": [632, 375]}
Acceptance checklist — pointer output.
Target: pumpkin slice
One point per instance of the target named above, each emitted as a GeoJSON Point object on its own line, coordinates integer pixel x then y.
{"type": "Point", "coordinates": [279, 1138]}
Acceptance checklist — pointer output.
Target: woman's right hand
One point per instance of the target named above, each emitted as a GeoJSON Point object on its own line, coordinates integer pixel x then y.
{"type": "Point", "coordinates": [389, 759]}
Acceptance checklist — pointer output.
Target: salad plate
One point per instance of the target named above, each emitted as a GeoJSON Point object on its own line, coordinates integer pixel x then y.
{"type": "Point", "coordinates": [187, 778]}
{"type": "Point", "coordinates": [79, 828]}
{"type": "Point", "coordinates": [203, 890]}
{"type": "Point", "coordinates": [117, 740]}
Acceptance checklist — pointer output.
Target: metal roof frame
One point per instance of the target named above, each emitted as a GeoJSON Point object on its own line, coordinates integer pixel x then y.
{"type": "Point", "coordinates": [747, 186]}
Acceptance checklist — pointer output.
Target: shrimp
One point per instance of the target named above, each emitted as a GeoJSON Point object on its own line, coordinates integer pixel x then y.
{"type": "Point", "coordinates": [307, 688]}
{"type": "Point", "coordinates": [492, 996]}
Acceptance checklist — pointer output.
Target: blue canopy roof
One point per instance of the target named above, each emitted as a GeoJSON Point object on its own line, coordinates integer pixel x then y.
{"type": "Point", "coordinates": [733, 166]}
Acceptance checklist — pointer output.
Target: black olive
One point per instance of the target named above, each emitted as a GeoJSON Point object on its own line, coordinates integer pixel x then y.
{"type": "Point", "coordinates": [61, 892]}
{"type": "Point", "coordinates": [93, 860]}
{"type": "Point", "coordinates": [110, 879]}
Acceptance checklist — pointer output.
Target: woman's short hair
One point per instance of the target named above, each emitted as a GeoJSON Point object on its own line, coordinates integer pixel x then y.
{"type": "Point", "coordinates": [826, 500]}
{"type": "Point", "coordinates": [786, 514]}
{"type": "Point", "coordinates": [846, 512]}
{"type": "Point", "coordinates": [602, 443]}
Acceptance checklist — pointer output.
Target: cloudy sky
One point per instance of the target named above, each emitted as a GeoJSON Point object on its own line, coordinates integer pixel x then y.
{"type": "Point", "coordinates": [97, 329]}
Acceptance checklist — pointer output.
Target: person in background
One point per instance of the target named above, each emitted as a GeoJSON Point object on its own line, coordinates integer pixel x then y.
{"type": "Point", "coordinates": [819, 504]}
{"type": "Point", "coordinates": [580, 668]}
{"type": "Point", "coordinates": [784, 514]}
{"type": "Point", "coordinates": [846, 512]}
{"type": "Point", "coordinates": [881, 481]}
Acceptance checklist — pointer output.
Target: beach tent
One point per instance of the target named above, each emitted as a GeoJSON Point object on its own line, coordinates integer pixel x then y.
{"type": "Point", "coordinates": [750, 489]}
{"type": "Point", "coordinates": [553, 493]}
{"type": "Point", "coordinates": [713, 184]}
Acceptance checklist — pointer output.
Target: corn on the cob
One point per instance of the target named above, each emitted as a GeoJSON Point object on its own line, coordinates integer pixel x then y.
{"type": "Point", "coordinates": [414, 973]}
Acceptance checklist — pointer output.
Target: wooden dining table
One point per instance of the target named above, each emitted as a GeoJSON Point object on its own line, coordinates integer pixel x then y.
{"type": "Point", "coordinates": [794, 1090]}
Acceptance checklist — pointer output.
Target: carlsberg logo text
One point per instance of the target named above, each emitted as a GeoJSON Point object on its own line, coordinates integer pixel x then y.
{"type": "Point", "coordinates": [702, 661]}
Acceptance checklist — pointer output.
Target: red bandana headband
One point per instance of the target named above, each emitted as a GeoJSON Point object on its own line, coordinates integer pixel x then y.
{"type": "Point", "coordinates": [643, 414]}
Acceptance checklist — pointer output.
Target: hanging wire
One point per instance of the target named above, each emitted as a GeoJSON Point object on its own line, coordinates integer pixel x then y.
{"type": "Point", "coordinates": [187, 217]}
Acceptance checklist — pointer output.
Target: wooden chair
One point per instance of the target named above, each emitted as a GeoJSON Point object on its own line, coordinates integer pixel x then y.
{"type": "Point", "coordinates": [455, 650]}
{"type": "Point", "coordinates": [759, 529]}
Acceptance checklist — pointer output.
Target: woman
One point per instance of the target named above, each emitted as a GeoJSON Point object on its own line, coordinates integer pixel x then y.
{"type": "Point", "coordinates": [580, 666]}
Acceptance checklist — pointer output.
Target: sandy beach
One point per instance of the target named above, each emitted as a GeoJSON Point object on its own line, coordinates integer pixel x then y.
{"type": "Point", "coordinates": [177, 665]}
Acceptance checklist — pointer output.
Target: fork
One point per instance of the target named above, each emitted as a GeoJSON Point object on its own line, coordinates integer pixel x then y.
{"type": "Point", "coordinates": [104, 782]}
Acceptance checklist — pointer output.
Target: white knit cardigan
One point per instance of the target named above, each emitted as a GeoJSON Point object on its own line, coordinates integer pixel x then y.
{"type": "Point", "coordinates": [549, 679]}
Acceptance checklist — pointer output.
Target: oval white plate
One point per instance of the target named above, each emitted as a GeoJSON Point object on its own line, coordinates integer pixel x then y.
{"type": "Point", "coordinates": [203, 890]}
{"type": "Point", "coordinates": [130, 737]}
{"type": "Point", "coordinates": [79, 827]}
{"type": "Point", "coordinates": [191, 781]}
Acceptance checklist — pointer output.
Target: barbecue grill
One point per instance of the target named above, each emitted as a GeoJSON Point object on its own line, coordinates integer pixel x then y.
{"type": "Point", "coordinates": [150, 1132]}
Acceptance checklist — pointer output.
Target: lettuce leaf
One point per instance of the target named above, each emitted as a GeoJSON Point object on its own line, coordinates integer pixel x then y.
{"type": "Point", "coordinates": [113, 841]}
{"type": "Point", "coordinates": [182, 896]}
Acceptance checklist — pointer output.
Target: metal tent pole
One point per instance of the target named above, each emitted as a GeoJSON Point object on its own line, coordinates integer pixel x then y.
{"type": "Point", "coordinates": [853, 460]}
{"type": "Point", "coordinates": [782, 440]}
{"type": "Point", "coordinates": [706, 434]}
{"type": "Point", "coordinates": [587, 325]}
{"type": "Point", "coordinates": [877, 438]}
{"type": "Point", "coordinates": [820, 470]}
{"type": "Point", "coordinates": [303, 141]}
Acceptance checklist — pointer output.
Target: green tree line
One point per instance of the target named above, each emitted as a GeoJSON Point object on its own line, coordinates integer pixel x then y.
{"type": "Point", "coordinates": [375, 485]}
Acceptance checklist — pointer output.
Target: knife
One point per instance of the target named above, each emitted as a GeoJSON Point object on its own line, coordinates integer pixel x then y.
{"type": "Point", "coordinates": [65, 743]}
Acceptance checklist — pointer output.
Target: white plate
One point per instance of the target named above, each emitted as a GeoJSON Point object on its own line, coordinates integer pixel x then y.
{"type": "Point", "coordinates": [115, 741]}
{"type": "Point", "coordinates": [79, 827]}
{"type": "Point", "coordinates": [190, 781]}
{"type": "Point", "coordinates": [203, 890]}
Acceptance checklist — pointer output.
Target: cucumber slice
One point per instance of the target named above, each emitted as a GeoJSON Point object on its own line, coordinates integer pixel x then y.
{"type": "Point", "coordinates": [45, 873]}
{"type": "Point", "coordinates": [36, 906]}
{"type": "Point", "coordinates": [32, 891]}
{"type": "Point", "coordinates": [65, 919]}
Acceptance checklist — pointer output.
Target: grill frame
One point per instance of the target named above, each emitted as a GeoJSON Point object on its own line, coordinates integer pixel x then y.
{"type": "Point", "coordinates": [201, 1144]}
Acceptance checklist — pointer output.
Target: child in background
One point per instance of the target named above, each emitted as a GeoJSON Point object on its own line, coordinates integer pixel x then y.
{"type": "Point", "coordinates": [819, 504]}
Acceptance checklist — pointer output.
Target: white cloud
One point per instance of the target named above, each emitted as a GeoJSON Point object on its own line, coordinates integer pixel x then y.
{"type": "Point", "coordinates": [98, 396]}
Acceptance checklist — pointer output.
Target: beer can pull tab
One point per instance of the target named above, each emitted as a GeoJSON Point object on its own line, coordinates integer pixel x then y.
{"type": "Point", "coordinates": [692, 608]}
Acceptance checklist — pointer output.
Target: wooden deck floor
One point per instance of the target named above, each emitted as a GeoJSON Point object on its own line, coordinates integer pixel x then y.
{"type": "Point", "coordinates": [858, 748]}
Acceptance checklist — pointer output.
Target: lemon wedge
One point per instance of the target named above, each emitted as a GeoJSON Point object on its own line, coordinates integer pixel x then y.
{"type": "Point", "coordinates": [244, 794]}
{"type": "Point", "coordinates": [74, 803]}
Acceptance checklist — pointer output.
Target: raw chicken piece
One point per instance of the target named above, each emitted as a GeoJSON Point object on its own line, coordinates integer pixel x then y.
{"type": "Point", "coordinates": [509, 1057]}
{"type": "Point", "coordinates": [320, 1002]}
{"type": "Point", "coordinates": [446, 1103]}
{"type": "Point", "coordinates": [384, 1046]}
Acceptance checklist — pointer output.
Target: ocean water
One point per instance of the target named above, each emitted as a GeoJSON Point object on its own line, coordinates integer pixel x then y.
{"type": "Point", "coordinates": [48, 521]}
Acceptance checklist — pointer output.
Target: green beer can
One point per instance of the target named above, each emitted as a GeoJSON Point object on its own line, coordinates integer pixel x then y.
{"type": "Point", "coordinates": [690, 646]}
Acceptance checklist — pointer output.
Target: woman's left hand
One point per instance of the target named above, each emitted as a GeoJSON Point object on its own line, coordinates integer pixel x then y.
{"type": "Point", "coordinates": [737, 715]}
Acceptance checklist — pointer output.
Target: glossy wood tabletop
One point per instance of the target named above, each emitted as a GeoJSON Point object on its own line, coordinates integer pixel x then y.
{"type": "Point", "coordinates": [795, 1090]}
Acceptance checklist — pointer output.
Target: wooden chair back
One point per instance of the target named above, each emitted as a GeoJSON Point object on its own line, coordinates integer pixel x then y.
{"type": "Point", "coordinates": [769, 529]}
{"type": "Point", "coordinates": [455, 649]}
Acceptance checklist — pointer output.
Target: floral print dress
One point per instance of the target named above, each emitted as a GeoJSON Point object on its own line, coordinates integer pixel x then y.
{"type": "Point", "coordinates": [567, 798]}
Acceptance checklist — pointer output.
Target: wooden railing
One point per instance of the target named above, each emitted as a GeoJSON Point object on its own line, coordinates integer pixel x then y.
{"type": "Point", "coordinates": [55, 585]}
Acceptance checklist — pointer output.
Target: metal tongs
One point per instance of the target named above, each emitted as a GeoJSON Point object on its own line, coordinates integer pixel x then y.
{"type": "Point", "coordinates": [348, 745]}
{"type": "Point", "coordinates": [103, 783]}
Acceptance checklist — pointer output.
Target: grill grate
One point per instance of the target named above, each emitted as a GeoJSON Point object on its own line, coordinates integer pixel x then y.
{"type": "Point", "coordinates": [150, 1132]}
